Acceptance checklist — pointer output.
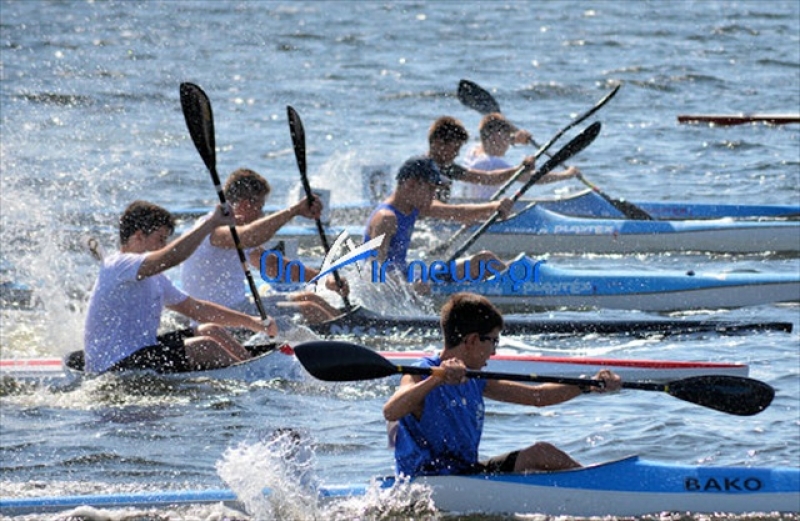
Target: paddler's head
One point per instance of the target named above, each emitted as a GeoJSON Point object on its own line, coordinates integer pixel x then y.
{"type": "Point", "coordinates": [145, 224]}
{"type": "Point", "coordinates": [497, 134]}
{"type": "Point", "coordinates": [418, 179]}
{"type": "Point", "coordinates": [247, 192]}
{"type": "Point", "coordinates": [445, 138]}
{"type": "Point", "coordinates": [472, 323]}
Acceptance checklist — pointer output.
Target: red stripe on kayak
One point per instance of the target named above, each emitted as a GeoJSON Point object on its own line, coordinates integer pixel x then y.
{"type": "Point", "coordinates": [650, 364]}
{"type": "Point", "coordinates": [31, 362]}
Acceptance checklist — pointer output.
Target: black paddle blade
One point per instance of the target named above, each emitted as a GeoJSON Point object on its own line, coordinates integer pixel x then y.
{"type": "Point", "coordinates": [476, 97]}
{"type": "Point", "coordinates": [333, 361]}
{"type": "Point", "coordinates": [578, 143]}
{"type": "Point", "coordinates": [200, 122]}
{"type": "Point", "coordinates": [631, 211]}
{"type": "Point", "coordinates": [298, 143]}
{"type": "Point", "coordinates": [731, 394]}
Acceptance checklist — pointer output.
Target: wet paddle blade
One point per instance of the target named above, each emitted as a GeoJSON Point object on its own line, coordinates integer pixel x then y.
{"type": "Point", "coordinates": [200, 122]}
{"type": "Point", "coordinates": [475, 97]}
{"type": "Point", "coordinates": [730, 394]}
{"type": "Point", "coordinates": [342, 361]}
{"type": "Point", "coordinates": [299, 145]}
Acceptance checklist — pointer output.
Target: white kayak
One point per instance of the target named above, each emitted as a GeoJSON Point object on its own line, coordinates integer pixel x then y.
{"type": "Point", "coordinates": [282, 364]}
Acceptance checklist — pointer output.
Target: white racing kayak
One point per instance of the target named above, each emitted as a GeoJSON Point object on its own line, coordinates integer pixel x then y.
{"type": "Point", "coordinates": [282, 364]}
{"type": "Point", "coordinates": [626, 487]}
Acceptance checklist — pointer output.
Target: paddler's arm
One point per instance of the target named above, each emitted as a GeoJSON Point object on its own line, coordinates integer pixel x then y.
{"type": "Point", "coordinates": [409, 398]}
{"type": "Point", "coordinates": [468, 213]}
{"type": "Point", "coordinates": [546, 394]}
{"type": "Point", "coordinates": [181, 248]}
{"type": "Point", "coordinates": [384, 222]}
{"type": "Point", "coordinates": [261, 230]}
{"type": "Point", "coordinates": [204, 312]}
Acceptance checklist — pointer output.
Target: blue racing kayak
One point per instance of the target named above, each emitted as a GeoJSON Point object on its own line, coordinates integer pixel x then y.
{"type": "Point", "coordinates": [627, 487]}
{"type": "Point", "coordinates": [528, 285]}
{"type": "Point", "coordinates": [540, 229]}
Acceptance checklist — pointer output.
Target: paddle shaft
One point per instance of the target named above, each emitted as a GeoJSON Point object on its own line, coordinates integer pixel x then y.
{"type": "Point", "coordinates": [544, 148]}
{"type": "Point", "coordinates": [577, 144]}
{"type": "Point", "coordinates": [299, 145]}
{"type": "Point", "coordinates": [200, 122]}
{"type": "Point", "coordinates": [629, 210]}
{"type": "Point", "coordinates": [344, 361]}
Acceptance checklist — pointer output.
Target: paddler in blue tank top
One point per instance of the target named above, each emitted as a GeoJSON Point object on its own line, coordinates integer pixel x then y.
{"type": "Point", "coordinates": [439, 420]}
{"type": "Point", "coordinates": [413, 197]}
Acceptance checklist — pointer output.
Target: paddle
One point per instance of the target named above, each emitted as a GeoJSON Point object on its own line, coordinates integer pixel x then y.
{"type": "Point", "coordinates": [475, 97]}
{"type": "Point", "coordinates": [200, 122]}
{"type": "Point", "coordinates": [335, 361]}
{"type": "Point", "coordinates": [299, 145]}
{"type": "Point", "coordinates": [577, 144]}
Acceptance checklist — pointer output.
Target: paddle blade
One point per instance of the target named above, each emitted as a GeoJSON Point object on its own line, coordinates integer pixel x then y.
{"type": "Point", "coordinates": [578, 143]}
{"type": "Point", "coordinates": [476, 97]}
{"type": "Point", "coordinates": [333, 361]}
{"type": "Point", "coordinates": [731, 394]}
{"type": "Point", "coordinates": [299, 144]}
{"type": "Point", "coordinates": [200, 122]}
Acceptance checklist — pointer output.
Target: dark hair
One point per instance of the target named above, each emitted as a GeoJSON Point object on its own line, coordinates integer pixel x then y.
{"type": "Point", "coordinates": [466, 313]}
{"type": "Point", "coordinates": [245, 184]}
{"type": "Point", "coordinates": [144, 216]}
{"type": "Point", "coordinates": [449, 130]}
{"type": "Point", "coordinates": [494, 123]}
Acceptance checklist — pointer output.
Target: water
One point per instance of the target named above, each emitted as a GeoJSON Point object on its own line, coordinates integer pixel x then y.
{"type": "Point", "coordinates": [91, 120]}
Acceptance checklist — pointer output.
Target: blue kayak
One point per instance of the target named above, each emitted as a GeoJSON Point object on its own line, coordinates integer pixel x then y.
{"type": "Point", "coordinates": [588, 204]}
{"type": "Point", "coordinates": [529, 285]}
{"type": "Point", "coordinates": [627, 487]}
{"type": "Point", "coordinates": [539, 229]}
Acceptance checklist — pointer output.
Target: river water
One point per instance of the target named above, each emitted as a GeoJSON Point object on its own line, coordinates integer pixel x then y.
{"type": "Point", "coordinates": [91, 120]}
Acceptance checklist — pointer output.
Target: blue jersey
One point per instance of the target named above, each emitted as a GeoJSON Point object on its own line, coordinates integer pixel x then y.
{"type": "Point", "coordinates": [445, 439]}
{"type": "Point", "coordinates": [398, 247]}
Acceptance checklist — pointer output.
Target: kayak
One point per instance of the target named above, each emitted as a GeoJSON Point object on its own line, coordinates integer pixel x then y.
{"type": "Point", "coordinates": [588, 203]}
{"type": "Point", "coordinates": [530, 285]}
{"type": "Point", "coordinates": [364, 323]}
{"type": "Point", "coordinates": [282, 364]}
{"type": "Point", "coordinates": [539, 229]}
{"type": "Point", "coordinates": [626, 487]}
{"type": "Point", "coordinates": [727, 120]}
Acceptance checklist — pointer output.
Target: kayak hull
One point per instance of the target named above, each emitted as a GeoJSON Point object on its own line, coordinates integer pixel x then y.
{"type": "Point", "coordinates": [362, 323]}
{"type": "Point", "coordinates": [532, 285]}
{"type": "Point", "coordinates": [728, 120]}
{"type": "Point", "coordinates": [627, 487]}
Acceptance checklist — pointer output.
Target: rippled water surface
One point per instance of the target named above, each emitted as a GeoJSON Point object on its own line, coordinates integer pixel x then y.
{"type": "Point", "coordinates": [91, 120]}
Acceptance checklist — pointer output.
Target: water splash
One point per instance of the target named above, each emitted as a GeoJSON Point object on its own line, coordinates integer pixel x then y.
{"type": "Point", "coordinates": [283, 463]}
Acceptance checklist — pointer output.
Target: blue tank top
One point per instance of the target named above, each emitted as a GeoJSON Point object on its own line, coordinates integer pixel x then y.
{"type": "Point", "coordinates": [398, 247]}
{"type": "Point", "coordinates": [445, 440]}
